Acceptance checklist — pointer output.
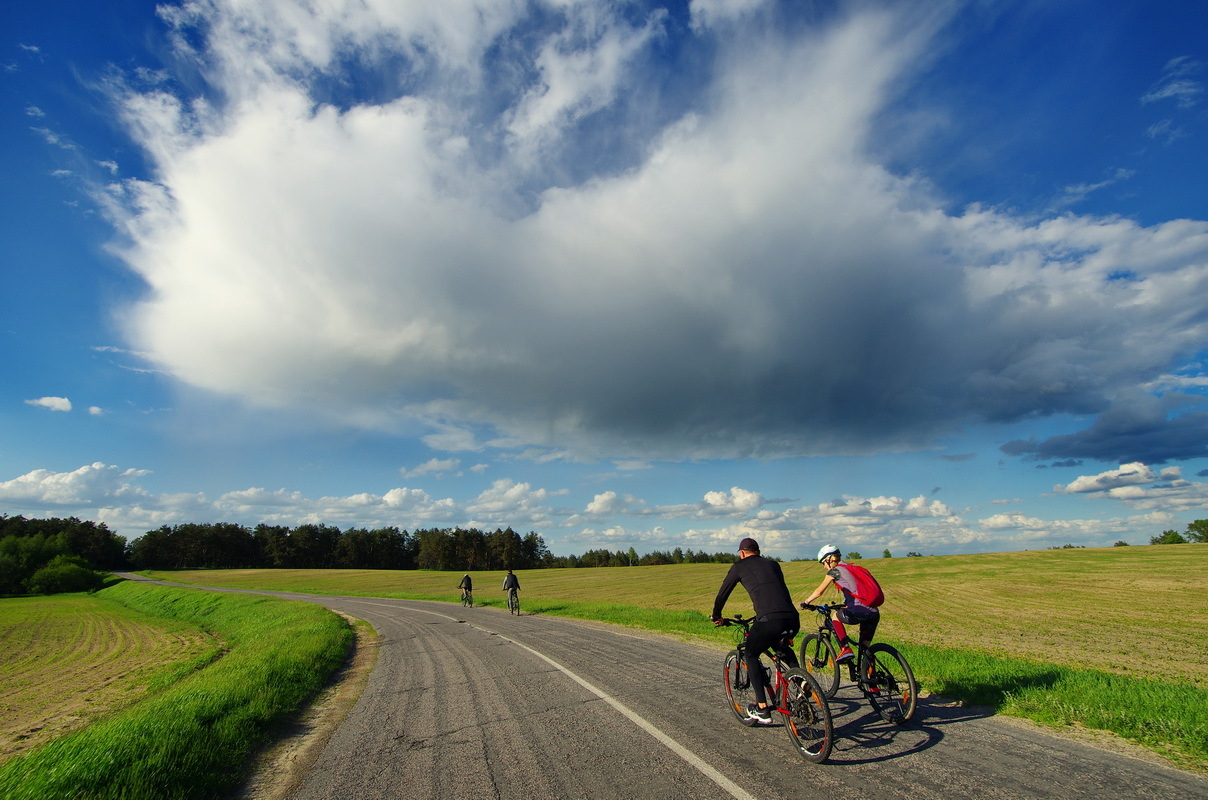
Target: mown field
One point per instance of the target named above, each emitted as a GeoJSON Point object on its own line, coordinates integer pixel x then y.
{"type": "Point", "coordinates": [1138, 611]}
{"type": "Point", "coordinates": [66, 660]}
{"type": "Point", "coordinates": [196, 720]}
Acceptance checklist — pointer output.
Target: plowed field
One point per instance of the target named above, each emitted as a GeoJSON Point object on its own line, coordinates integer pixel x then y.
{"type": "Point", "coordinates": [68, 659]}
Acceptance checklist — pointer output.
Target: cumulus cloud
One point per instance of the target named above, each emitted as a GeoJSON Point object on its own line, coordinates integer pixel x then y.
{"type": "Point", "coordinates": [522, 230]}
{"type": "Point", "coordinates": [605, 503]}
{"type": "Point", "coordinates": [87, 485]}
{"type": "Point", "coordinates": [735, 501]}
{"type": "Point", "coordinates": [1142, 487]}
{"type": "Point", "coordinates": [53, 403]}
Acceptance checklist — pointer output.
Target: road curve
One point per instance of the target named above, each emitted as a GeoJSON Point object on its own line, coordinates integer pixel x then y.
{"type": "Point", "coordinates": [475, 703]}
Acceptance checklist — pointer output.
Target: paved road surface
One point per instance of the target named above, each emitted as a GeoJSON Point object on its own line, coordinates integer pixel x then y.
{"type": "Point", "coordinates": [468, 704]}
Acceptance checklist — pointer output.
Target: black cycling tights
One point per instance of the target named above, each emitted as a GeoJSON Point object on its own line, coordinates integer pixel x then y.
{"type": "Point", "coordinates": [765, 635]}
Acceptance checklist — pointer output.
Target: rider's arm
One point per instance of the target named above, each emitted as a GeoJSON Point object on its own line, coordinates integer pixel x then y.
{"type": "Point", "coordinates": [723, 594]}
{"type": "Point", "coordinates": [827, 581]}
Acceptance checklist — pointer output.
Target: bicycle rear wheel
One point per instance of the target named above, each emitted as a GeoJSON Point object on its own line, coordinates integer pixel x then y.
{"type": "Point", "coordinates": [739, 693]}
{"type": "Point", "coordinates": [818, 659]}
{"type": "Point", "coordinates": [891, 688]}
{"type": "Point", "coordinates": [808, 721]}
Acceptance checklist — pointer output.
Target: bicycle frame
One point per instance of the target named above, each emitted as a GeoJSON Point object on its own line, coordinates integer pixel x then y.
{"type": "Point", "coordinates": [777, 687]}
{"type": "Point", "coordinates": [826, 631]}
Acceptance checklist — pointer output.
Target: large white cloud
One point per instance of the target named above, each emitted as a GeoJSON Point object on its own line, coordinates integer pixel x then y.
{"type": "Point", "coordinates": [484, 217]}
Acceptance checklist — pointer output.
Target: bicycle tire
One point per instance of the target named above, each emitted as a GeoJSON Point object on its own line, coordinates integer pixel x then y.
{"type": "Point", "coordinates": [513, 603]}
{"type": "Point", "coordinates": [818, 659]}
{"type": "Point", "coordinates": [891, 689]}
{"type": "Point", "coordinates": [807, 718]}
{"type": "Point", "coordinates": [739, 693]}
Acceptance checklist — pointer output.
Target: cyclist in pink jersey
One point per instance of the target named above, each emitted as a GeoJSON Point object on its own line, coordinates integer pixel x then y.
{"type": "Point", "coordinates": [854, 612]}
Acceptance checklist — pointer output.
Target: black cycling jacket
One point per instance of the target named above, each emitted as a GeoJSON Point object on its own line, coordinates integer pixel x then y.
{"type": "Point", "coordinates": [764, 581]}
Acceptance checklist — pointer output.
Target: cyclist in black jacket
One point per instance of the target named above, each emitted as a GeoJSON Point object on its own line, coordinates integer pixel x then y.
{"type": "Point", "coordinates": [776, 616]}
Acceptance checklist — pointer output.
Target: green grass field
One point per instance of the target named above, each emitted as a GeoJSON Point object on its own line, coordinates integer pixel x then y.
{"type": "Point", "coordinates": [69, 659]}
{"type": "Point", "coordinates": [189, 737]}
{"type": "Point", "coordinates": [1112, 638]}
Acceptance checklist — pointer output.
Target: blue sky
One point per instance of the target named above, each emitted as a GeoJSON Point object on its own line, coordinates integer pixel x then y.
{"type": "Point", "coordinates": [922, 276]}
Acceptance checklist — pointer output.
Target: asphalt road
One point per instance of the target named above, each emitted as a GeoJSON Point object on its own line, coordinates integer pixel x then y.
{"type": "Point", "coordinates": [466, 704]}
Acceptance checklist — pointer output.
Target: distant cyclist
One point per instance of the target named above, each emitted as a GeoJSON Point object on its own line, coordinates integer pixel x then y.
{"type": "Point", "coordinates": [511, 585]}
{"type": "Point", "coordinates": [860, 598]}
{"type": "Point", "coordinates": [467, 588]}
{"type": "Point", "coordinates": [775, 616]}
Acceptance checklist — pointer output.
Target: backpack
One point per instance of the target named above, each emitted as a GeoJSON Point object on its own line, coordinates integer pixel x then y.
{"type": "Point", "coordinates": [868, 591]}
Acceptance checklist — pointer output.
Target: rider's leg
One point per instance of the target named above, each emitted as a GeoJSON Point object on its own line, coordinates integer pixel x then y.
{"type": "Point", "coordinates": [867, 619]}
{"type": "Point", "coordinates": [845, 652]}
{"type": "Point", "coordinates": [763, 635]}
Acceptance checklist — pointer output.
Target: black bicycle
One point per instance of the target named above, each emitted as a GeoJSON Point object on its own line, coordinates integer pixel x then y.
{"type": "Point", "coordinates": [514, 601]}
{"type": "Point", "coordinates": [880, 671]}
{"type": "Point", "coordinates": [467, 598]}
{"type": "Point", "coordinates": [793, 693]}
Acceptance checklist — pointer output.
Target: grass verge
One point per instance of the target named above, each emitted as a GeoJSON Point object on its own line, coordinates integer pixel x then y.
{"type": "Point", "coordinates": [192, 738]}
{"type": "Point", "coordinates": [1168, 717]}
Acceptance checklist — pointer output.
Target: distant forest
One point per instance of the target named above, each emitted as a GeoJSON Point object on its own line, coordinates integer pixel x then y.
{"type": "Point", "coordinates": [29, 546]}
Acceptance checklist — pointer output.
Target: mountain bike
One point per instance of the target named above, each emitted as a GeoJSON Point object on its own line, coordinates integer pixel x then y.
{"type": "Point", "coordinates": [467, 598]}
{"type": "Point", "coordinates": [514, 601]}
{"type": "Point", "coordinates": [792, 692]}
{"type": "Point", "coordinates": [880, 671]}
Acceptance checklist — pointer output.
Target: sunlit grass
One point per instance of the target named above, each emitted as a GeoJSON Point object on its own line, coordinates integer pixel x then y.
{"type": "Point", "coordinates": [69, 659]}
{"type": "Point", "coordinates": [191, 738]}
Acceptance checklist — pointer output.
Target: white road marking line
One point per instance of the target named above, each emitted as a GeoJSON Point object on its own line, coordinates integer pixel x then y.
{"type": "Point", "coordinates": [687, 755]}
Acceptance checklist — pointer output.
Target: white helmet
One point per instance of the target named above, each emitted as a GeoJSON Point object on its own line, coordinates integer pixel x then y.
{"type": "Point", "coordinates": [827, 550]}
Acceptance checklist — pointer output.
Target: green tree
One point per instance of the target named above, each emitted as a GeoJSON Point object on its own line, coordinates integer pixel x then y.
{"type": "Point", "coordinates": [854, 555]}
{"type": "Point", "coordinates": [886, 554]}
{"type": "Point", "coordinates": [1198, 531]}
{"type": "Point", "coordinates": [65, 574]}
{"type": "Point", "coordinates": [1168, 537]}
{"type": "Point", "coordinates": [1120, 543]}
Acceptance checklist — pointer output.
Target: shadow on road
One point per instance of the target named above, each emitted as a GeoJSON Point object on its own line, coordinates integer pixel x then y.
{"type": "Point", "coordinates": [862, 737]}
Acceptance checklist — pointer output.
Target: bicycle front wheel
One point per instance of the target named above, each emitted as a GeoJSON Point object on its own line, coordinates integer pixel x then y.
{"type": "Point", "coordinates": [891, 687]}
{"type": "Point", "coordinates": [818, 659]}
{"type": "Point", "coordinates": [739, 693]}
{"type": "Point", "coordinates": [808, 719]}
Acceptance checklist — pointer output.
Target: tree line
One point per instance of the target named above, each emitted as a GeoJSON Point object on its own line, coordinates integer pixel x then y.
{"type": "Point", "coordinates": [229, 546]}
{"type": "Point", "coordinates": [45, 556]}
